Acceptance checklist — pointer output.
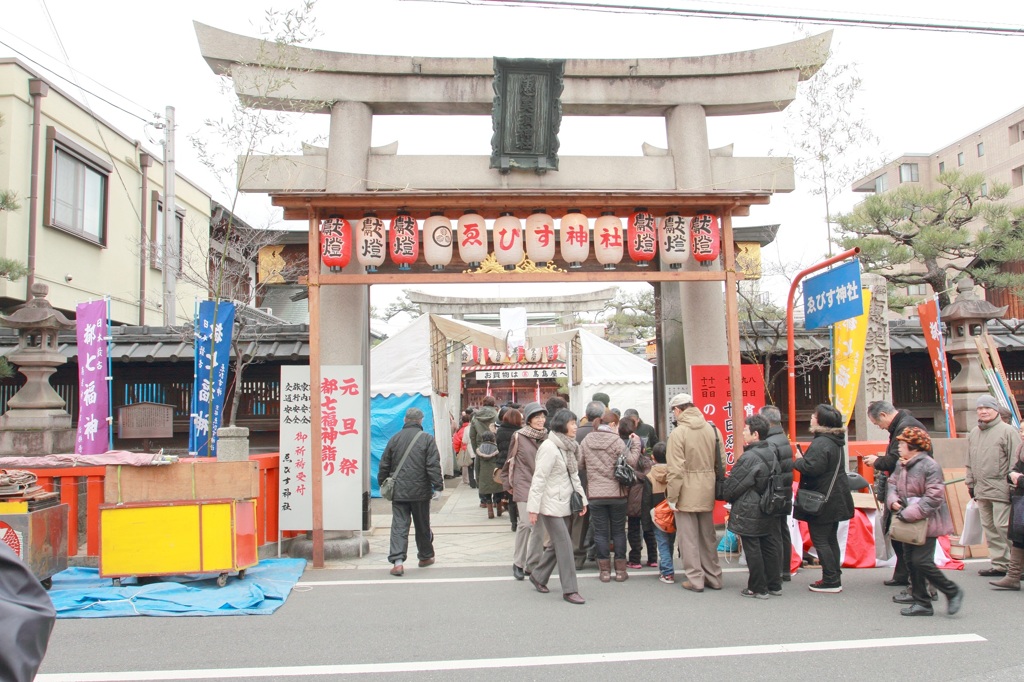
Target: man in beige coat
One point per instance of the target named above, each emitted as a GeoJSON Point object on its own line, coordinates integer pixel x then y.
{"type": "Point", "coordinates": [693, 460]}
{"type": "Point", "coordinates": [991, 447]}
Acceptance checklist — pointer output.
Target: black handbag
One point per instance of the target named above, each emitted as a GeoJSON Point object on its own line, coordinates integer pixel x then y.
{"type": "Point", "coordinates": [575, 500]}
{"type": "Point", "coordinates": [811, 501]}
{"type": "Point", "coordinates": [719, 467]}
{"type": "Point", "coordinates": [624, 473]}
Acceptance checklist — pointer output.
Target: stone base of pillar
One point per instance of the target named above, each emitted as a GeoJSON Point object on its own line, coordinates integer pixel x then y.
{"type": "Point", "coordinates": [338, 545]}
{"type": "Point", "coordinates": [36, 442]}
{"type": "Point", "coordinates": [232, 444]}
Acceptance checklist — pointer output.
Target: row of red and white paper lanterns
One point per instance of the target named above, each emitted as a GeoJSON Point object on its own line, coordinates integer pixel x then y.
{"type": "Point", "coordinates": [676, 235]}
{"type": "Point", "coordinates": [477, 355]}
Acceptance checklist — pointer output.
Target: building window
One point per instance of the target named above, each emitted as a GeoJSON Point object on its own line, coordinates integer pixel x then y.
{"type": "Point", "coordinates": [908, 172]}
{"type": "Point", "coordinates": [1017, 176]}
{"type": "Point", "coordinates": [76, 189]}
{"type": "Point", "coordinates": [960, 159]}
{"type": "Point", "coordinates": [942, 167]}
{"type": "Point", "coordinates": [984, 189]}
{"type": "Point", "coordinates": [917, 290]}
{"type": "Point", "coordinates": [156, 258]}
{"type": "Point", "coordinates": [1017, 132]}
{"type": "Point", "coordinates": [981, 149]}
{"type": "Point", "coordinates": [881, 184]}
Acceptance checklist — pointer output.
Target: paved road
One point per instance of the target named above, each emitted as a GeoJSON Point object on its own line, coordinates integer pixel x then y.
{"type": "Point", "coordinates": [460, 620]}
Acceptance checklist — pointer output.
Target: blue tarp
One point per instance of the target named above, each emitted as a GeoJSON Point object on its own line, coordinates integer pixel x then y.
{"type": "Point", "coordinates": [81, 593]}
{"type": "Point", "coordinates": [387, 416]}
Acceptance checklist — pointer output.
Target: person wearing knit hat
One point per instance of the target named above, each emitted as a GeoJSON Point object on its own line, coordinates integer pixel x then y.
{"type": "Point", "coordinates": [991, 447]}
{"type": "Point", "coordinates": [917, 493]}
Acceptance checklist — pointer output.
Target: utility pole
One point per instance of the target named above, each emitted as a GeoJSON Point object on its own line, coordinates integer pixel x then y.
{"type": "Point", "coordinates": [171, 246]}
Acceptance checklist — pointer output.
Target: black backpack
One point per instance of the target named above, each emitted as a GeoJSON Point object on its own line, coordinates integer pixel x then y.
{"type": "Point", "coordinates": [777, 498]}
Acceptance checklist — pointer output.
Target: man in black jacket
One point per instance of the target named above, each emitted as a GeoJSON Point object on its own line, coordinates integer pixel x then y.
{"type": "Point", "coordinates": [417, 481]}
{"type": "Point", "coordinates": [777, 437]}
{"type": "Point", "coordinates": [883, 415]}
{"type": "Point", "coordinates": [27, 615]}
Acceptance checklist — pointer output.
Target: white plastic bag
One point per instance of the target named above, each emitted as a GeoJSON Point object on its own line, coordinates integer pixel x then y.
{"type": "Point", "coordinates": [972, 534]}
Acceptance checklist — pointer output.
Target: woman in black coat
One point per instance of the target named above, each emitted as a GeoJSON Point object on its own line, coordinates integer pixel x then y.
{"type": "Point", "coordinates": [742, 489]}
{"type": "Point", "coordinates": [821, 470]}
{"type": "Point", "coordinates": [511, 421]}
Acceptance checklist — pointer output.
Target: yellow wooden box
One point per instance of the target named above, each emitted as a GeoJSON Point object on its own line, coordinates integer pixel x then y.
{"type": "Point", "coordinates": [171, 538]}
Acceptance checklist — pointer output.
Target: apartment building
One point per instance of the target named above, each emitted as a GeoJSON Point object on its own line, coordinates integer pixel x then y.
{"type": "Point", "coordinates": [996, 151]}
{"type": "Point", "coordinates": [97, 208]}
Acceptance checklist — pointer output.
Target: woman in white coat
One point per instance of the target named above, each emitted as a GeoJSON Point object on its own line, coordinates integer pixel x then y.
{"type": "Point", "coordinates": [555, 478]}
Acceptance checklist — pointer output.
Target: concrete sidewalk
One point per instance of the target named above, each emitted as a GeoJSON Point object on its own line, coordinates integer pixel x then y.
{"type": "Point", "coordinates": [463, 535]}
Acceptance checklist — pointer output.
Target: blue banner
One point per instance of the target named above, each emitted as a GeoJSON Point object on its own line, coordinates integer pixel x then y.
{"type": "Point", "coordinates": [833, 296]}
{"type": "Point", "coordinates": [209, 382]}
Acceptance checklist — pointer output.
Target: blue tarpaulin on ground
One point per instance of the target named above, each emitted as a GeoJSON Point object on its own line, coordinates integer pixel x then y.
{"type": "Point", "coordinates": [81, 593]}
{"type": "Point", "coordinates": [387, 416]}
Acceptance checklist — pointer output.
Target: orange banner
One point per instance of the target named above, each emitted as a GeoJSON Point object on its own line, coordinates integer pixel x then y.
{"type": "Point", "coordinates": [928, 313]}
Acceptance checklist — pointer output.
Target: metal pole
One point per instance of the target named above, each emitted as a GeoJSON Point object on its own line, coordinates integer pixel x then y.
{"type": "Point", "coordinates": [37, 89]}
{"type": "Point", "coordinates": [171, 247]}
{"type": "Point", "coordinates": [790, 350]}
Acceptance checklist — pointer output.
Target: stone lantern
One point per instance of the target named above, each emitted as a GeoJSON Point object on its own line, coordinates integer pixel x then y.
{"type": "Point", "coordinates": [966, 317]}
{"type": "Point", "coordinates": [36, 422]}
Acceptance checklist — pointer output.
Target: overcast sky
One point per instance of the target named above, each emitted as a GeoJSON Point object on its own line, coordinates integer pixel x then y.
{"type": "Point", "coordinates": [922, 90]}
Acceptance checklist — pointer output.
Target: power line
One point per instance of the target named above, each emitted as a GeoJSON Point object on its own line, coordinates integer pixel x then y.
{"type": "Point", "coordinates": [746, 15]}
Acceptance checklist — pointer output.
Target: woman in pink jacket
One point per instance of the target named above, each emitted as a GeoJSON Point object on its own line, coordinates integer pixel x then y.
{"type": "Point", "coordinates": [918, 494]}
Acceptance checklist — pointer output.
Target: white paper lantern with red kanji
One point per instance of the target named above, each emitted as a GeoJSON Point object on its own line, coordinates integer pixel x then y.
{"type": "Point", "coordinates": [674, 235]}
{"type": "Point", "coordinates": [335, 243]}
{"type": "Point", "coordinates": [705, 238]}
{"type": "Point", "coordinates": [641, 237]}
{"type": "Point", "coordinates": [533, 355]}
{"type": "Point", "coordinates": [574, 238]}
{"type": "Point", "coordinates": [437, 241]}
{"type": "Point", "coordinates": [508, 241]}
{"type": "Point", "coordinates": [371, 245]}
{"type": "Point", "coordinates": [608, 240]}
{"type": "Point", "coordinates": [540, 237]}
{"type": "Point", "coordinates": [472, 238]}
{"type": "Point", "coordinates": [404, 240]}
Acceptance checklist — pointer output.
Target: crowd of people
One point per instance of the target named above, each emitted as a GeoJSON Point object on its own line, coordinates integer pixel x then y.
{"type": "Point", "coordinates": [601, 487]}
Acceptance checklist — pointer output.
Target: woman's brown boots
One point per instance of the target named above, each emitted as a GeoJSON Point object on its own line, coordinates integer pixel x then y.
{"type": "Point", "coordinates": [604, 567]}
{"type": "Point", "coordinates": [620, 571]}
{"type": "Point", "coordinates": [490, 510]}
{"type": "Point", "coordinates": [1011, 581]}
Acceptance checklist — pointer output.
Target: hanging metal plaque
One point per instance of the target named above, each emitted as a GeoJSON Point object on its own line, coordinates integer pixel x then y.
{"type": "Point", "coordinates": [527, 113]}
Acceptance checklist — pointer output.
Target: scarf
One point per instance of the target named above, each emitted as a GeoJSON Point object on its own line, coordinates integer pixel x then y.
{"type": "Point", "coordinates": [536, 434]}
{"type": "Point", "coordinates": [569, 446]}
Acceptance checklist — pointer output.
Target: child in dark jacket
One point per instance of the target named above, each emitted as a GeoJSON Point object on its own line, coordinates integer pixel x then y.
{"type": "Point", "coordinates": [656, 484]}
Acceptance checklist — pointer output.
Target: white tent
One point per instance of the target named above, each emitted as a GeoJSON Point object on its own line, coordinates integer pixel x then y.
{"type": "Point", "coordinates": [626, 378]}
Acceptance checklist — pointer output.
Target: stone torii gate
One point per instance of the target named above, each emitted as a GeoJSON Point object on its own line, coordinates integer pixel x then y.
{"type": "Point", "coordinates": [350, 177]}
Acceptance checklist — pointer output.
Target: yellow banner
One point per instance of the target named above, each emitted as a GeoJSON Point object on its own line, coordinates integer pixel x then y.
{"type": "Point", "coordinates": [848, 339]}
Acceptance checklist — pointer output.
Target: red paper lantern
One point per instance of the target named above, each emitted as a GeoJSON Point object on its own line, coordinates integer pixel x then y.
{"type": "Point", "coordinates": [404, 240]}
{"type": "Point", "coordinates": [335, 243]}
{"type": "Point", "coordinates": [642, 237]}
{"type": "Point", "coordinates": [705, 238]}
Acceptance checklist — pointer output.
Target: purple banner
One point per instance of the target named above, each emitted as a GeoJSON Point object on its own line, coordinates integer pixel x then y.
{"type": "Point", "coordinates": [93, 391]}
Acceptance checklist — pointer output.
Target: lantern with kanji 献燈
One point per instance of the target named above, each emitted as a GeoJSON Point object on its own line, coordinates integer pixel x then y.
{"type": "Point", "coordinates": [370, 242]}
{"type": "Point", "coordinates": [437, 241]}
{"type": "Point", "coordinates": [404, 240]}
{"type": "Point", "coordinates": [508, 241]}
{"type": "Point", "coordinates": [540, 237]}
{"type": "Point", "coordinates": [608, 240]}
{"type": "Point", "coordinates": [335, 243]}
{"type": "Point", "coordinates": [704, 238]}
{"type": "Point", "coordinates": [674, 235]}
{"type": "Point", "coordinates": [472, 238]}
{"type": "Point", "coordinates": [641, 237]}
{"type": "Point", "coordinates": [574, 238]}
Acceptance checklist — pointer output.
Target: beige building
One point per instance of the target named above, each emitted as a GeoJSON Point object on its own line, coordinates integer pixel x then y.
{"type": "Point", "coordinates": [997, 151]}
{"type": "Point", "coordinates": [98, 209]}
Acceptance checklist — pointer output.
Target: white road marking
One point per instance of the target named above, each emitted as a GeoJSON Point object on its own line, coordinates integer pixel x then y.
{"type": "Point", "coordinates": [521, 662]}
{"type": "Point", "coordinates": [479, 579]}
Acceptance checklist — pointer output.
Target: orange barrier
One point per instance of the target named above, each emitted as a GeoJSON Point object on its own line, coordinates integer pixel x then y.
{"type": "Point", "coordinates": [70, 480]}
